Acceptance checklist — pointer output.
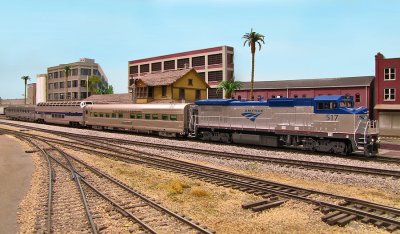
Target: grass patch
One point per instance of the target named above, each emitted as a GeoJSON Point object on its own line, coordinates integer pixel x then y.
{"type": "Point", "coordinates": [175, 186]}
{"type": "Point", "coordinates": [199, 192]}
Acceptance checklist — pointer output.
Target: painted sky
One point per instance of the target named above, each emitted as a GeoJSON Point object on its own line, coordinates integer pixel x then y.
{"type": "Point", "coordinates": [304, 38]}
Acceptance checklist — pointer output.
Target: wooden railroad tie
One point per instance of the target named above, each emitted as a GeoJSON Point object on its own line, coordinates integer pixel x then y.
{"type": "Point", "coordinates": [264, 204]}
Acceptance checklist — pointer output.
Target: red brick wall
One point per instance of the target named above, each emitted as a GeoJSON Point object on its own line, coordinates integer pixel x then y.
{"type": "Point", "coordinates": [380, 83]}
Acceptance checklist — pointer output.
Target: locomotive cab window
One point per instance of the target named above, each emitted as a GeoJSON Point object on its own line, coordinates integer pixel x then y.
{"type": "Point", "coordinates": [348, 104]}
{"type": "Point", "coordinates": [327, 105]}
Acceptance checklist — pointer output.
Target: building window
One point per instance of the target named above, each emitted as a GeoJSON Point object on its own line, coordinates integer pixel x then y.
{"type": "Point", "coordinates": [358, 97]}
{"type": "Point", "coordinates": [150, 91]}
{"type": "Point", "coordinates": [169, 65]}
{"type": "Point", "coordinates": [215, 59]}
{"type": "Point", "coordinates": [144, 68]}
{"type": "Point", "coordinates": [74, 83]}
{"type": "Point", "coordinates": [55, 74]}
{"type": "Point", "coordinates": [198, 61]}
{"type": "Point", "coordinates": [133, 70]}
{"type": "Point", "coordinates": [181, 93]}
{"type": "Point", "coordinates": [61, 85]}
{"type": "Point", "coordinates": [50, 75]}
{"type": "Point", "coordinates": [86, 72]}
{"type": "Point", "coordinates": [190, 82]}
{"type": "Point", "coordinates": [49, 97]}
{"type": "Point", "coordinates": [61, 96]}
{"type": "Point", "coordinates": [215, 76]}
{"type": "Point", "coordinates": [198, 94]}
{"type": "Point", "coordinates": [83, 83]}
{"type": "Point", "coordinates": [390, 73]}
{"type": "Point", "coordinates": [212, 93]}
{"type": "Point", "coordinates": [230, 59]}
{"type": "Point", "coordinates": [156, 66]}
{"type": "Point", "coordinates": [164, 90]}
{"type": "Point", "coordinates": [83, 95]}
{"type": "Point", "coordinates": [182, 62]}
{"type": "Point", "coordinates": [75, 95]}
{"type": "Point", "coordinates": [74, 72]}
{"type": "Point", "coordinates": [390, 94]}
{"type": "Point", "coordinates": [69, 84]}
{"type": "Point", "coordinates": [62, 73]}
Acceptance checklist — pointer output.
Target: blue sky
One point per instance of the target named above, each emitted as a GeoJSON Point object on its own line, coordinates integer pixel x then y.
{"type": "Point", "coordinates": [304, 38]}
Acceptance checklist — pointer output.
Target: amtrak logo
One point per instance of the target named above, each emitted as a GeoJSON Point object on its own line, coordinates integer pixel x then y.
{"type": "Point", "coordinates": [251, 116]}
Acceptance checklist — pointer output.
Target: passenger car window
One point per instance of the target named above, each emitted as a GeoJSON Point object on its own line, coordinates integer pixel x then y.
{"type": "Point", "coordinates": [120, 115]}
{"type": "Point", "coordinates": [155, 116]}
{"type": "Point", "coordinates": [164, 117]}
{"type": "Point", "coordinates": [114, 115]}
{"type": "Point", "coordinates": [139, 116]}
{"type": "Point", "coordinates": [132, 116]}
{"type": "Point", "coordinates": [172, 117]}
{"type": "Point", "coordinates": [107, 115]}
{"type": "Point", "coordinates": [147, 116]}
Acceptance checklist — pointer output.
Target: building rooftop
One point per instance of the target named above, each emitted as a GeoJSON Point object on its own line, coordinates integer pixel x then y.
{"type": "Point", "coordinates": [187, 53]}
{"type": "Point", "coordinates": [164, 78]}
{"type": "Point", "coordinates": [311, 83]}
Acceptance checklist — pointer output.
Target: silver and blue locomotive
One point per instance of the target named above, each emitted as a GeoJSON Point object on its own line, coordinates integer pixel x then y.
{"type": "Point", "coordinates": [324, 123]}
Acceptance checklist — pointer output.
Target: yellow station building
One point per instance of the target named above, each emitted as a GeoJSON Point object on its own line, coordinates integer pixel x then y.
{"type": "Point", "coordinates": [184, 85]}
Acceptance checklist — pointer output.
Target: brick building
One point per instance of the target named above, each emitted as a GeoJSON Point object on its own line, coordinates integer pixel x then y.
{"type": "Point", "coordinates": [387, 98]}
{"type": "Point", "coordinates": [359, 87]}
{"type": "Point", "coordinates": [213, 64]}
{"type": "Point", "coordinates": [77, 80]}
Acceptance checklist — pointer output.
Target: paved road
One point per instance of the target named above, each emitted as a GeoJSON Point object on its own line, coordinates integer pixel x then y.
{"type": "Point", "coordinates": [16, 168]}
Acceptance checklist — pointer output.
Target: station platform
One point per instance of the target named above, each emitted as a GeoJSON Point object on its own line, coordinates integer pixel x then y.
{"type": "Point", "coordinates": [16, 168]}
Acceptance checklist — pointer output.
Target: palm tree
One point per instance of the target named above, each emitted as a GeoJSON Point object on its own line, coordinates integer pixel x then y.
{"type": "Point", "coordinates": [251, 39]}
{"type": "Point", "coordinates": [229, 86]}
{"type": "Point", "coordinates": [67, 70]}
{"type": "Point", "coordinates": [25, 78]}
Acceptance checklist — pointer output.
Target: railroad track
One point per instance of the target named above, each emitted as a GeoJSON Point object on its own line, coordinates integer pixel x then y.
{"type": "Point", "coordinates": [142, 213]}
{"type": "Point", "coordinates": [272, 194]}
{"type": "Point", "coordinates": [331, 167]}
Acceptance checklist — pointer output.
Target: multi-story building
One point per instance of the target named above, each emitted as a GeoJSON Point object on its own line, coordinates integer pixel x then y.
{"type": "Point", "coordinates": [213, 64]}
{"type": "Point", "coordinates": [77, 80]}
{"type": "Point", "coordinates": [387, 98]}
{"type": "Point", "coordinates": [31, 94]}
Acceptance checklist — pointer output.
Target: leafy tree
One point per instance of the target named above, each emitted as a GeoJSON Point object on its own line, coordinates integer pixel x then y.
{"type": "Point", "coordinates": [25, 78]}
{"type": "Point", "coordinates": [97, 86]}
{"type": "Point", "coordinates": [94, 84]}
{"type": "Point", "coordinates": [229, 86]}
{"type": "Point", "coordinates": [251, 39]}
{"type": "Point", "coordinates": [67, 70]}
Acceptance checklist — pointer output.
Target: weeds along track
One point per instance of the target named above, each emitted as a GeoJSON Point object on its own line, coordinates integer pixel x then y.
{"type": "Point", "coordinates": [338, 210]}
{"type": "Point", "coordinates": [110, 205]}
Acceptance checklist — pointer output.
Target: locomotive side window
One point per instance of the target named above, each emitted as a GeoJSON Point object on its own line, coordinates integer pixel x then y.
{"type": "Point", "coordinates": [327, 105]}
{"type": "Point", "coordinates": [348, 104]}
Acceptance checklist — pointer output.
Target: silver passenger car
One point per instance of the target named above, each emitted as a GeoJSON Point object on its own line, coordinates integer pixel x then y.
{"type": "Point", "coordinates": [25, 113]}
{"type": "Point", "coordinates": [163, 119]}
{"type": "Point", "coordinates": [65, 113]}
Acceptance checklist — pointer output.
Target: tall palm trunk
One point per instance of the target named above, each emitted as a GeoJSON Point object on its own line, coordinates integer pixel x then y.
{"type": "Point", "coordinates": [26, 81]}
{"type": "Point", "coordinates": [253, 51]}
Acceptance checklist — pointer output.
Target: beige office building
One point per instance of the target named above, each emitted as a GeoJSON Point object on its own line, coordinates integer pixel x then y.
{"type": "Point", "coordinates": [77, 80]}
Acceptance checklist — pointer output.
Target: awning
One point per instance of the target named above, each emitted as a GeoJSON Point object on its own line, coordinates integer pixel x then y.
{"type": "Point", "coordinates": [387, 107]}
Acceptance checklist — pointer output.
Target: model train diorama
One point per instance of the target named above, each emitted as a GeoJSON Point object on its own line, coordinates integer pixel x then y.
{"type": "Point", "coordinates": [324, 123]}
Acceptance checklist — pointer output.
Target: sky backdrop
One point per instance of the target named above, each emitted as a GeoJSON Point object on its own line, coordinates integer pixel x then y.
{"type": "Point", "coordinates": [304, 38]}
